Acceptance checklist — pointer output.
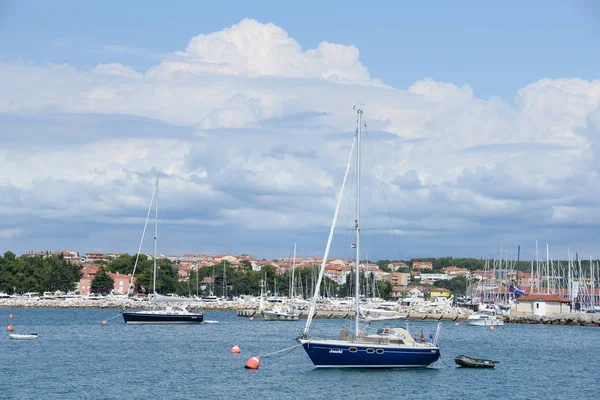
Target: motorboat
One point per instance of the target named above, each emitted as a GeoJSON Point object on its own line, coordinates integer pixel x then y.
{"type": "Point", "coordinates": [23, 336]}
{"type": "Point", "coordinates": [484, 319]}
{"type": "Point", "coordinates": [280, 313]}
{"type": "Point", "coordinates": [470, 362]}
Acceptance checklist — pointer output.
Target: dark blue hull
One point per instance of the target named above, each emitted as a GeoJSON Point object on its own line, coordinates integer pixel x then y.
{"type": "Point", "coordinates": [149, 318]}
{"type": "Point", "coordinates": [336, 354]}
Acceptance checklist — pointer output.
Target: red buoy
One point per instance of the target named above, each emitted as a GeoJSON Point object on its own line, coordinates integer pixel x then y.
{"type": "Point", "coordinates": [10, 328]}
{"type": "Point", "coordinates": [253, 363]}
{"type": "Point", "coordinates": [104, 322]}
{"type": "Point", "coordinates": [492, 328]}
{"type": "Point", "coordinates": [251, 318]}
{"type": "Point", "coordinates": [10, 316]}
{"type": "Point", "coordinates": [235, 349]}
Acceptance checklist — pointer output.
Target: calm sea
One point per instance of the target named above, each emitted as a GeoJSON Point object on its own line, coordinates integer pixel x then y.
{"type": "Point", "coordinates": [77, 357]}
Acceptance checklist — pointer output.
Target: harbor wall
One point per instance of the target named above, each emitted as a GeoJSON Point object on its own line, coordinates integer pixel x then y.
{"type": "Point", "coordinates": [251, 310]}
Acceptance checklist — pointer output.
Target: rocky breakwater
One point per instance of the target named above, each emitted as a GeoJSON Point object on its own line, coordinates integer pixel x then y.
{"type": "Point", "coordinates": [428, 313]}
{"type": "Point", "coordinates": [574, 319]}
{"type": "Point", "coordinates": [117, 303]}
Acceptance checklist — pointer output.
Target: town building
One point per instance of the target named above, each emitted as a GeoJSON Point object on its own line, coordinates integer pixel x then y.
{"type": "Point", "coordinates": [543, 304]}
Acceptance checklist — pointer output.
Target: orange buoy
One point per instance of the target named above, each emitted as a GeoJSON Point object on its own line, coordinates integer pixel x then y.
{"type": "Point", "coordinates": [104, 322]}
{"type": "Point", "coordinates": [492, 328]}
{"type": "Point", "coordinates": [253, 363]}
{"type": "Point", "coordinates": [10, 316]}
{"type": "Point", "coordinates": [10, 328]}
{"type": "Point", "coordinates": [251, 318]}
{"type": "Point", "coordinates": [235, 349]}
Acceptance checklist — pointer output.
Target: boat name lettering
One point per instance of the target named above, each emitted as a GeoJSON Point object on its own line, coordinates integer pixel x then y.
{"type": "Point", "coordinates": [336, 351]}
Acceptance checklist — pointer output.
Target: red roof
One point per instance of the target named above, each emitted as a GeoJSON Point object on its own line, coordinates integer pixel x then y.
{"type": "Point", "coordinates": [545, 297]}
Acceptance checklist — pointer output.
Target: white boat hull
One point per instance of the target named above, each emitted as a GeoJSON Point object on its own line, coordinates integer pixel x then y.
{"type": "Point", "coordinates": [17, 336]}
{"type": "Point", "coordinates": [279, 316]}
{"type": "Point", "coordinates": [485, 322]}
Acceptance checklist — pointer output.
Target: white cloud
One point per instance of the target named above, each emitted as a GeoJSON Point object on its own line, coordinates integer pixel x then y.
{"type": "Point", "coordinates": [253, 49]}
{"type": "Point", "coordinates": [273, 124]}
{"type": "Point", "coordinates": [116, 69]}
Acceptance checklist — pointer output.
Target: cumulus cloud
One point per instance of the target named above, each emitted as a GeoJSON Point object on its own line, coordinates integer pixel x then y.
{"type": "Point", "coordinates": [253, 49]}
{"type": "Point", "coordinates": [116, 69]}
{"type": "Point", "coordinates": [251, 133]}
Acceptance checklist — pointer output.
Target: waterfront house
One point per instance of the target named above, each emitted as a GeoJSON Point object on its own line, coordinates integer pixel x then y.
{"type": "Point", "coordinates": [398, 278]}
{"type": "Point", "coordinates": [421, 265]}
{"type": "Point", "coordinates": [543, 304]}
{"type": "Point", "coordinates": [453, 271]}
{"type": "Point", "coordinates": [395, 266]}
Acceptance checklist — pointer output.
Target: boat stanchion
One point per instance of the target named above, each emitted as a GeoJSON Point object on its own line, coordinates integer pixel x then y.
{"type": "Point", "coordinates": [253, 363]}
{"type": "Point", "coordinates": [235, 349]}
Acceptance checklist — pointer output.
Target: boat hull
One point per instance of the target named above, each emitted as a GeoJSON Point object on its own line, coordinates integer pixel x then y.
{"type": "Point", "coordinates": [269, 316]}
{"type": "Point", "coordinates": [337, 354]}
{"type": "Point", "coordinates": [149, 318]}
{"type": "Point", "coordinates": [469, 362]}
{"type": "Point", "coordinates": [485, 322]}
{"type": "Point", "coordinates": [25, 336]}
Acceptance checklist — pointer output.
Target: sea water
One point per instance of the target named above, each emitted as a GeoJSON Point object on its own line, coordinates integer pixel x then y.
{"type": "Point", "coordinates": [78, 357]}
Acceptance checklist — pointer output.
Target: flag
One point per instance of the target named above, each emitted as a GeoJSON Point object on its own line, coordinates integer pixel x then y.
{"type": "Point", "coordinates": [353, 245]}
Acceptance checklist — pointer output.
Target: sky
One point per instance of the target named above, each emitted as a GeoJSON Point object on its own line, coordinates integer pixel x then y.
{"type": "Point", "coordinates": [481, 126]}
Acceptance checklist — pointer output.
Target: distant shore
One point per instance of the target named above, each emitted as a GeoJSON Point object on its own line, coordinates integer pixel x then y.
{"type": "Point", "coordinates": [249, 308]}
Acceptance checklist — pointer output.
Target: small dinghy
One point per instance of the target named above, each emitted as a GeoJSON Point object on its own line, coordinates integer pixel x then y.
{"type": "Point", "coordinates": [23, 336]}
{"type": "Point", "coordinates": [470, 362]}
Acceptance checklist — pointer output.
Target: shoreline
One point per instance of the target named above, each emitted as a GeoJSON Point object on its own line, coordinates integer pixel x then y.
{"type": "Point", "coordinates": [248, 309]}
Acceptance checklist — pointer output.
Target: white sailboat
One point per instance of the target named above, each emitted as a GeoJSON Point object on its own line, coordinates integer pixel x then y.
{"type": "Point", "coordinates": [388, 347]}
{"type": "Point", "coordinates": [279, 311]}
{"type": "Point", "coordinates": [170, 314]}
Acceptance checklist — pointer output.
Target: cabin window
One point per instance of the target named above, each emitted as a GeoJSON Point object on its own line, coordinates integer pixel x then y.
{"type": "Point", "coordinates": [352, 349]}
{"type": "Point", "coordinates": [379, 351]}
{"type": "Point", "coordinates": [370, 351]}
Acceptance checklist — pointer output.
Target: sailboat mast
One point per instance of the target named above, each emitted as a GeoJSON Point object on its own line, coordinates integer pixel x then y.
{"type": "Point", "coordinates": [357, 223]}
{"type": "Point", "coordinates": [155, 235]}
{"type": "Point", "coordinates": [293, 270]}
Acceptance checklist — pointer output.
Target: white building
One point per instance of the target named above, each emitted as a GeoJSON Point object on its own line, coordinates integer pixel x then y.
{"type": "Point", "coordinates": [543, 304]}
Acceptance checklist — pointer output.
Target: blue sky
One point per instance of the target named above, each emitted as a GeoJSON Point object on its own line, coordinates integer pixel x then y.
{"type": "Point", "coordinates": [484, 119]}
{"type": "Point", "coordinates": [495, 48]}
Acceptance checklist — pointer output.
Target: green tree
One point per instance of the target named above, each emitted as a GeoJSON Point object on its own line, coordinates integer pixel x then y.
{"type": "Point", "coordinates": [102, 282]}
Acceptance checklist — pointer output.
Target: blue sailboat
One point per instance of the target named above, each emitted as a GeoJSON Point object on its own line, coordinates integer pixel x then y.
{"type": "Point", "coordinates": [387, 347]}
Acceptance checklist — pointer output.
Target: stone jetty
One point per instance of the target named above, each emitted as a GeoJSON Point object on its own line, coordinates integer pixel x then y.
{"type": "Point", "coordinates": [574, 319]}
{"type": "Point", "coordinates": [250, 309]}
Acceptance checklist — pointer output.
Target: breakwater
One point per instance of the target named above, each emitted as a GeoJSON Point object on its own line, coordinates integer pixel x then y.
{"type": "Point", "coordinates": [574, 319]}
{"type": "Point", "coordinates": [251, 309]}
{"type": "Point", "coordinates": [336, 314]}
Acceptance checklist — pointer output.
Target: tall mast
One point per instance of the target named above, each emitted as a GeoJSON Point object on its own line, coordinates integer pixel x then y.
{"type": "Point", "coordinates": [196, 279]}
{"type": "Point", "coordinates": [547, 269]}
{"type": "Point", "coordinates": [155, 235]}
{"type": "Point", "coordinates": [293, 270]}
{"type": "Point", "coordinates": [357, 222]}
{"type": "Point", "coordinates": [537, 265]}
{"type": "Point", "coordinates": [224, 280]}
